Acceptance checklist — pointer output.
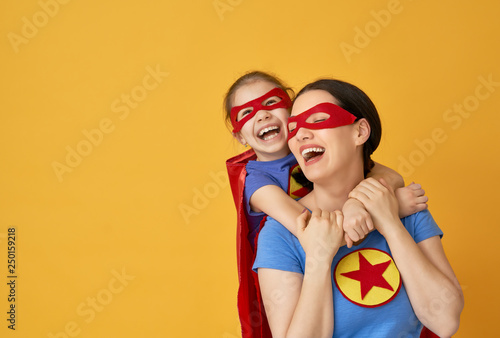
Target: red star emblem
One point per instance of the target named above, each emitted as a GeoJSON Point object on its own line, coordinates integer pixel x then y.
{"type": "Point", "coordinates": [369, 275]}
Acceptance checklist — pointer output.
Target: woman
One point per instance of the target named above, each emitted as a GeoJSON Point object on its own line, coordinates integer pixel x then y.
{"type": "Point", "coordinates": [397, 279]}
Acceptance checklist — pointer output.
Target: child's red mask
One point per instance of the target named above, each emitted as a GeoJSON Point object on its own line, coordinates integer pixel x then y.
{"type": "Point", "coordinates": [338, 117]}
{"type": "Point", "coordinates": [257, 105]}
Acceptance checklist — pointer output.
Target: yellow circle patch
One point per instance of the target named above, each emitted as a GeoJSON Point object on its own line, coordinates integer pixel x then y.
{"type": "Point", "coordinates": [295, 189]}
{"type": "Point", "coordinates": [368, 277]}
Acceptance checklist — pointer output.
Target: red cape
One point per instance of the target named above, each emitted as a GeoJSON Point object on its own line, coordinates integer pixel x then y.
{"type": "Point", "coordinates": [250, 307]}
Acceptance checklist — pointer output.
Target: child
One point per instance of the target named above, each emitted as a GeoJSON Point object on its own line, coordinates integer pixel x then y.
{"type": "Point", "coordinates": [264, 179]}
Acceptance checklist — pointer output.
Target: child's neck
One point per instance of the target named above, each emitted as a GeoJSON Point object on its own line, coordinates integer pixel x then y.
{"type": "Point", "coordinates": [267, 157]}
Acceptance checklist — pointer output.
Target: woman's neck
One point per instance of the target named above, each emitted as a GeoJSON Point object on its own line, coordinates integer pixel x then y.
{"type": "Point", "coordinates": [332, 195]}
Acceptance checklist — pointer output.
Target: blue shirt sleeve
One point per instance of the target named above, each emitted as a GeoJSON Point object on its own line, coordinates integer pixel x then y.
{"type": "Point", "coordinates": [256, 180]}
{"type": "Point", "coordinates": [277, 249]}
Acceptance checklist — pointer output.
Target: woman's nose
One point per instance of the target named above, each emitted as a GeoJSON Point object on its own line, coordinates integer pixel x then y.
{"type": "Point", "coordinates": [303, 134]}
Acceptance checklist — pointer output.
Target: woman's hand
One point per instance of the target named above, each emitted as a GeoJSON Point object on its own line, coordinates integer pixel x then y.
{"type": "Point", "coordinates": [320, 234]}
{"type": "Point", "coordinates": [380, 201]}
{"type": "Point", "coordinates": [357, 221]}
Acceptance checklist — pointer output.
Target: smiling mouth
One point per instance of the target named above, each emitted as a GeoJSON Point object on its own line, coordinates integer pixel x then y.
{"type": "Point", "coordinates": [311, 153]}
{"type": "Point", "coordinates": [269, 133]}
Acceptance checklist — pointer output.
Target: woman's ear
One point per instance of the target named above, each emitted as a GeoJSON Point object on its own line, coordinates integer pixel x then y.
{"type": "Point", "coordinates": [240, 138]}
{"type": "Point", "coordinates": [363, 131]}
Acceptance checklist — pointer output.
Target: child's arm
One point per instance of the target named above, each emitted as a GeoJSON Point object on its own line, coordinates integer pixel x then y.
{"type": "Point", "coordinates": [273, 201]}
{"type": "Point", "coordinates": [411, 199]}
{"type": "Point", "coordinates": [357, 221]}
{"type": "Point", "coordinates": [394, 179]}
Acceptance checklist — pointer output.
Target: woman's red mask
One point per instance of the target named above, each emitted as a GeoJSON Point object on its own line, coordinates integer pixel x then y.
{"type": "Point", "coordinates": [258, 104]}
{"type": "Point", "coordinates": [321, 116]}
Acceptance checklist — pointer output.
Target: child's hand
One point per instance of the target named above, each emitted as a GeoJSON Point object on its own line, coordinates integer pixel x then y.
{"type": "Point", "coordinates": [411, 199]}
{"type": "Point", "coordinates": [380, 201]}
{"type": "Point", "coordinates": [357, 221]}
{"type": "Point", "coordinates": [320, 234]}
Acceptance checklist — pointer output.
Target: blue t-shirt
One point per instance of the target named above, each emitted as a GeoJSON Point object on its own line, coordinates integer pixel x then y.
{"type": "Point", "coordinates": [369, 297]}
{"type": "Point", "coordinates": [260, 174]}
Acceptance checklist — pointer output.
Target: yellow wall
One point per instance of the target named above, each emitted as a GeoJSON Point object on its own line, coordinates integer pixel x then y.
{"type": "Point", "coordinates": [111, 125]}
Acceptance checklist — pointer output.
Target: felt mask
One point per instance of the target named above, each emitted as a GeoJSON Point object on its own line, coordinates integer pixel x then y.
{"type": "Point", "coordinates": [257, 104]}
{"type": "Point", "coordinates": [315, 118]}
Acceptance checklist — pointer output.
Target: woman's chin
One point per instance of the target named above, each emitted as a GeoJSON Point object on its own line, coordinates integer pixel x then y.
{"type": "Point", "coordinates": [315, 176]}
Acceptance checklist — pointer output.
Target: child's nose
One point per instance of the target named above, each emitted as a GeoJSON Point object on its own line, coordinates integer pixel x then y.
{"type": "Point", "coordinates": [263, 115]}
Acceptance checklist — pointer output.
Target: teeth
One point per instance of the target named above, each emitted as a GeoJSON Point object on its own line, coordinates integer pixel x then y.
{"type": "Point", "coordinates": [270, 137]}
{"type": "Point", "coordinates": [265, 130]}
{"type": "Point", "coordinates": [310, 150]}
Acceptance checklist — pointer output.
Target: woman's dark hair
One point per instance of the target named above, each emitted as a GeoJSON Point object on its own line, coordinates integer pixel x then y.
{"type": "Point", "coordinates": [356, 102]}
{"type": "Point", "coordinates": [246, 79]}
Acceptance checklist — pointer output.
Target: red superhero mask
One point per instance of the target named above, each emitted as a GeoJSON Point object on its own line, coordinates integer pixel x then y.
{"type": "Point", "coordinates": [321, 116]}
{"type": "Point", "coordinates": [258, 104]}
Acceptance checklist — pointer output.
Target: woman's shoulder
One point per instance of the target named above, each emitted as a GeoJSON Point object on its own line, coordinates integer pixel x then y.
{"type": "Point", "coordinates": [418, 217]}
{"type": "Point", "coordinates": [421, 225]}
{"type": "Point", "coordinates": [278, 249]}
{"type": "Point", "coordinates": [274, 234]}
{"type": "Point", "coordinates": [274, 228]}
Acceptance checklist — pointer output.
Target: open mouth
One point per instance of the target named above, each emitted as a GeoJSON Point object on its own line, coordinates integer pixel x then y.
{"type": "Point", "coordinates": [311, 153]}
{"type": "Point", "coordinates": [269, 133]}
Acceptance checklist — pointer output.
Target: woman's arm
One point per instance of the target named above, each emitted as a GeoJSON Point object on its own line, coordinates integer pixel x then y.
{"type": "Point", "coordinates": [298, 305]}
{"type": "Point", "coordinates": [434, 292]}
{"type": "Point", "coordinates": [302, 306]}
{"type": "Point", "coordinates": [432, 287]}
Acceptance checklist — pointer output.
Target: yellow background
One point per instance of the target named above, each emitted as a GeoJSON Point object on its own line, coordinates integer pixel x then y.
{"type": "Point", "coordinates": [119, 209]}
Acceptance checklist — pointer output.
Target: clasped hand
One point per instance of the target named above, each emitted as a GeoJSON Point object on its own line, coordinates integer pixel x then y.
{"type": "Point", "coordinates": [380, 201]}
{"type": "Point", "coordinates": [320, 234]}
{"type": "Point", "coordinates": [371, 205]}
